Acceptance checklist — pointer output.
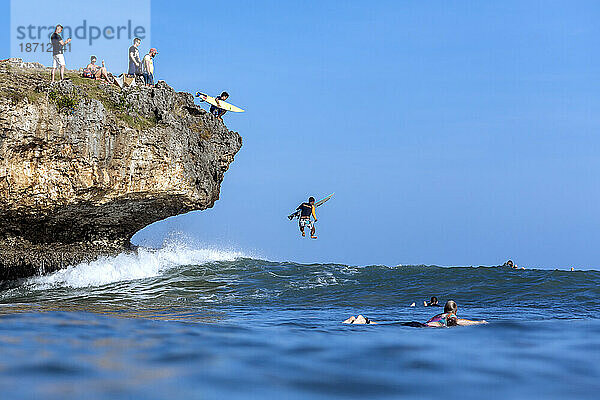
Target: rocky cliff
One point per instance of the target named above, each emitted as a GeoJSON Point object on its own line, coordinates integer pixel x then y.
{"type": "Point", "coordinates": [85, 165]}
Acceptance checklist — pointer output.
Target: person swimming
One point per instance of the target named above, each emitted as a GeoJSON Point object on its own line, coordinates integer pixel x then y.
{"type": "Point", "coordinates": [450, 318]}
{"type": "Point", "coordinates": [359, 320]}
{"type": "Point", "coordinates": [511, 264]}
{"type": "Point", "coordinates": [446, 319]}
{"type": "Point", "coordinates": [432, 303]}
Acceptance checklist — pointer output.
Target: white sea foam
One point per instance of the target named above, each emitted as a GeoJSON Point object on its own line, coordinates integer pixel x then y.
{"type": "Point", "coordinates": [145, 263]}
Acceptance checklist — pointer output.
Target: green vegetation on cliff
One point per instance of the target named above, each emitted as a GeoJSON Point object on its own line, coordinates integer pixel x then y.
{"type": "Point", "coordinates": [35, 85]}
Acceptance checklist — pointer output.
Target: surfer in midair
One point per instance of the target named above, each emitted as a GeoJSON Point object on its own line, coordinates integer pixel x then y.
{"type": "Point", "coordinates": [307, 210]}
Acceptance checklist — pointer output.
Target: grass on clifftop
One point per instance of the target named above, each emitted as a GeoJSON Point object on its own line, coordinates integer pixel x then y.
{"type": "Point", "coordinates": [18, 84]}
{"type": "Point", "coordinates": [17, 90]}
{"type": "Point", "coordinates": [121, 109]}
{"type": "Point", "coordinates": [18, 96]}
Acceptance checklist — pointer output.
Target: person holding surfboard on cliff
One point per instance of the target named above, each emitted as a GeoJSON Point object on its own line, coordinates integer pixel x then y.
{"type": "Point", "coordinates": [218, 105]}
{"type": "Point", "coordinates": [306, 211]}
{"type": "Point", "coordinates": [216, 111]}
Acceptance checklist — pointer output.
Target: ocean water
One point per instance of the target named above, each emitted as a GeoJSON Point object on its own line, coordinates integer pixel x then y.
{"type": "Point", "coordinates": [202, 323]}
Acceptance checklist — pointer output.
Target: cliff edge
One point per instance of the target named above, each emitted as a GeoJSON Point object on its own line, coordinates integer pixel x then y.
{"type": "Point", "coordinates": [84, 165]}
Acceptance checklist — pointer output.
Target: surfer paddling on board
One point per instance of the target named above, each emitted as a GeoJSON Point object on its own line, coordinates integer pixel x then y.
{"type": "Point", "coordinates": [448, 318]}
{"type": "Point", "coordinates": [216, 111]}
{"type": "Point", "coordinates": [306, 211]}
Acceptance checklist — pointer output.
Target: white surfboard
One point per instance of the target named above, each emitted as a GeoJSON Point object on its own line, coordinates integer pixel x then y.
{"type": "Point", "coordinates": [221, 104]}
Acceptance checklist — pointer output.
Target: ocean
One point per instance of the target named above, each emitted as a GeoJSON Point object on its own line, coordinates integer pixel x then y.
{"type": "Point", "coordinates": [212, 324]}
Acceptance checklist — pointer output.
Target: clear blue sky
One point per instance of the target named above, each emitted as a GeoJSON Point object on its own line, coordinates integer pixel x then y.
{"type": "Point", "coordinates": [460, 134]}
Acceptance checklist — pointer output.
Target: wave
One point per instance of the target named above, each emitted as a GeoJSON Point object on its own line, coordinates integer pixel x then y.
{"type": "Point", "coordinates": [145, 263]}
{"type": "Point", "coordinates": [182, 275]}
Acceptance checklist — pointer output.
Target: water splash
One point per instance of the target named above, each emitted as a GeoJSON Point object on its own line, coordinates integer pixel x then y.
{"type": "Point", "coordinates": [145, 263]}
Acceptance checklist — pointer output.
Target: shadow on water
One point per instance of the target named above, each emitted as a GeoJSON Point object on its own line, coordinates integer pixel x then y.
{"type": "Point", "coordinates": [165, 313]}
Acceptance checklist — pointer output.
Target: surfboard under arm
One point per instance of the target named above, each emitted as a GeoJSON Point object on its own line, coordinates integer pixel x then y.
{"type": "Point", "coordinates": [221, 104]}
{"type": "Point", "coordinates": [296, 214]}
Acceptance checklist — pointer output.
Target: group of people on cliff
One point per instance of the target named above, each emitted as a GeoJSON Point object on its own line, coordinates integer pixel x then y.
{"type": "Point", "coordinates": [137, 67]}
{"type": "Point", "coordinates": [143, 67]}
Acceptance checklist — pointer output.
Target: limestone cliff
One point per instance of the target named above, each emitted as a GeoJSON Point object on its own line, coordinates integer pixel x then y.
{"type": "Point", "coordinates": [84, 165]}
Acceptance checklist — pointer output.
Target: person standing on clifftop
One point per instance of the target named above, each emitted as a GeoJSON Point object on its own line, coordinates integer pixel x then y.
{"type": "Point", "coordinates": [58, 58]}
{"type": "Point", "coordinates": [135, 64]}
{"type": "Point", "coordinates": [149, 67]}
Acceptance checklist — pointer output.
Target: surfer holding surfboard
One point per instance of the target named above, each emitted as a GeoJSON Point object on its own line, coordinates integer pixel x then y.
{"type": "Point", "coordinates": [218, 106]}
{"type": "Point", "coordinates": [305, 211]}
{"type": "Point", "coordinates": [217, 111]}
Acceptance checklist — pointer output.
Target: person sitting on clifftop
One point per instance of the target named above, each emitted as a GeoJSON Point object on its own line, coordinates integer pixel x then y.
{"type": "Point", "coordinates": [216, 111]}
{"type": "Point", "coordinates": [94, 71]}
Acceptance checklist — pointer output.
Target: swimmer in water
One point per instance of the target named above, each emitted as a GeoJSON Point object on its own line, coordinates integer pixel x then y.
{"type": "Point", "coordinates": [511, 264]}
{"type": "Point", "coordinates": [432, 303]}
{"type": "Point", "coordinates": [447, 318]}
{"type": "Point", "coordinates": [359, 320]}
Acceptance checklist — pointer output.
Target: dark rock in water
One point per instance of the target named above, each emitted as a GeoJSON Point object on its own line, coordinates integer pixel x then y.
{"type": "Point", "coordinates": [84, 165]}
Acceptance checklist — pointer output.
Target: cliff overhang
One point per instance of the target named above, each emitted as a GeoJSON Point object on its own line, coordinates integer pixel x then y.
{"type": "Point", "coordinates": [84, 165]}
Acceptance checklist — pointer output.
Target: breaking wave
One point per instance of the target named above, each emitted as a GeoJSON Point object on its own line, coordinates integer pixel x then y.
{"type": "Point", "coordinates": [145, 263]}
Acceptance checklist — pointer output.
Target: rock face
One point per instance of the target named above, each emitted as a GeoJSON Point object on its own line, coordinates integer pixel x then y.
{"type": "Point", "coordinates": [84, 165]}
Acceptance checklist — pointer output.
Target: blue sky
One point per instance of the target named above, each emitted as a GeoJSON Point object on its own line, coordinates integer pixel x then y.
{"type": "Point", "coordinates": [460, 134]}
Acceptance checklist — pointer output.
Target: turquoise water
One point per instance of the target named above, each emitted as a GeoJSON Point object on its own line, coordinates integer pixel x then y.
{"type": "Point", "coordinates": [184, 323]}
